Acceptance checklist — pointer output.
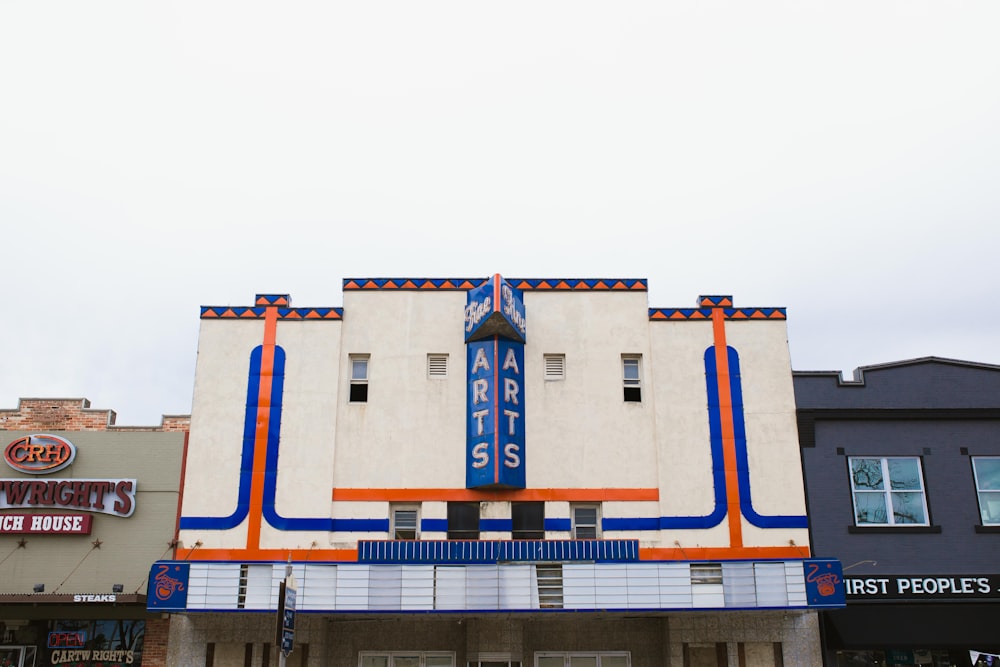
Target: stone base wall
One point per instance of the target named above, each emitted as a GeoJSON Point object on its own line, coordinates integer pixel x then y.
{"type": "Point", "coordinates": [729, 639]}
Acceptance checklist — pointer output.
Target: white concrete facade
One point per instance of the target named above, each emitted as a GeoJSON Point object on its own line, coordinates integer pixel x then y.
{"type": "Point", "coordinates": [702, 470]}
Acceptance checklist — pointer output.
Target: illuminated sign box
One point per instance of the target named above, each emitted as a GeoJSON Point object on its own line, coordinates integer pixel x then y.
{"type": "Point", "coordinates": [495, 333]}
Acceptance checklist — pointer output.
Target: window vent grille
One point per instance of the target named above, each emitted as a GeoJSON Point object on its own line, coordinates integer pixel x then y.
{"type": "Point", "coordinates": [550, 586]}
{"type": "Point", "coordinates": [437, 365]}
{"type": "Point", "coordinates": [555, 366]}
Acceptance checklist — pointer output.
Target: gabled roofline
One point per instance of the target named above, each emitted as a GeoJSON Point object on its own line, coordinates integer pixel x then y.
{"type": "Point", "coordinates": [859, 372]}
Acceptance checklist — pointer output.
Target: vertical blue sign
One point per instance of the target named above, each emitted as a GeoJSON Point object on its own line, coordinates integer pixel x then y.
{"type": "Point", "coordinates": [495, 434]}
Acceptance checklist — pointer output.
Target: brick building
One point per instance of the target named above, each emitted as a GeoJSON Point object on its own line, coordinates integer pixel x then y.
{"type": "Point", "coordinates": [86, 507]}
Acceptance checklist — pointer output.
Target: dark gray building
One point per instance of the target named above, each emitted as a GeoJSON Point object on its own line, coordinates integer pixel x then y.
{"type": "Point", "coordinates": [902, 470]}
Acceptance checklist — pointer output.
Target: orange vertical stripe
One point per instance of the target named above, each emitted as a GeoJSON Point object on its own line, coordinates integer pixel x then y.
{"type": "Point", "coordinates": [262, 428]}
{"type": "Point", "coordinates": [728, 431]}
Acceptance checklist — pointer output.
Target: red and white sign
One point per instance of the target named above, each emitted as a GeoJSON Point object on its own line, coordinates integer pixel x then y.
{"type": "Point", "coordinates": [107, 496]}
{"type": "Point", "coordinates": [39, 454]}
{"type": "Point", "coordinates": [45, 524]}
{"type": "Point", "coordinates": [43, 453]}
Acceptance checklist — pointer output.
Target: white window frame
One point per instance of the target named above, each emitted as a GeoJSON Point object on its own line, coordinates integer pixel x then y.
{"type": "Point", "coordinates": [577, 526]}
{"type": "Point", "coordinates": [630, 382]}
{"type": "Point", "coordinates": [497, 661]}
{"type": "Point", "coordinates": [992, 495]}
{"type": "Point", "coordinates": [437, 366]}
{"type": "Point", "coordinates": [394, 522]}
{"type": "Point", "coordinates": [554, 367]}
{"type": "Point", "coordinates": [352, 359]}
{"type": "Point", "coordinates": [888, 492]}
{"type": "Point", "coordinates": [569, 655]}
{"type": "Point", "coordinates": [392, 655]}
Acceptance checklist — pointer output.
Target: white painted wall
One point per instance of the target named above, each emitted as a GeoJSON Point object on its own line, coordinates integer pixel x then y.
{"type": "Point", "coordinates": [411, 431]}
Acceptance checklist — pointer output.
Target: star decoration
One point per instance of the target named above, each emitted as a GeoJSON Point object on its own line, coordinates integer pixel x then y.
{"type": "Point", "coordinates": [22, 543]}
{"type": "Point", "coordinates": [97, 544]}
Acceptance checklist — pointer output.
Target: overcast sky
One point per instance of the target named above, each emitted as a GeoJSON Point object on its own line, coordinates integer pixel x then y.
{"type": "Point", "coordinates": [840, 159]}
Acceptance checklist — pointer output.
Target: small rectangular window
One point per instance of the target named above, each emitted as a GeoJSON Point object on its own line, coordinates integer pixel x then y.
{"type": "Point", "coordinates": [631, 379]}
{"type": "Point", "coordinates": [463, 521]}
{"type": "Point", "coordinates": [406, 659]}
{"type": "Point", "coordinates": [586, 522]}
{"type": "Point", "coordinates": [987, 473]}
{"type": "Point", "coordinates": [554, 366]}
{"type": "Point", "coordinates": [359, 378]}
{"type": "Point", "coordinates": [888, 491]}
{"type": "Point", "coordinates": [437, 366]}
{"type": "Point", "coordinates": [528, 521]}
{"type": "Point", "coordinates": [405, 522]}
{"type": "Point", "coordinates": [583, 659]}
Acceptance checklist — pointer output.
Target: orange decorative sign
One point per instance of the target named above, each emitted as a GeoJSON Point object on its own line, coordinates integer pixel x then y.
{"type": "Point", "coordinates": [39, 454]}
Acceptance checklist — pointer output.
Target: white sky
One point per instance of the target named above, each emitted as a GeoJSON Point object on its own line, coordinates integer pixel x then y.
{"type": "Point", "coordinates": [840, 159]}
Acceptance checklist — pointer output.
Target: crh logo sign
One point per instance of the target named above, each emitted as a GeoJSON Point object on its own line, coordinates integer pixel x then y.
{"type": "Point", "coordinates": [39, 454]}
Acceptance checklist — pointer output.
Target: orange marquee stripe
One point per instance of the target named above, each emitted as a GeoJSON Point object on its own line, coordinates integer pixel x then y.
{"type": "Point", "coordinates": [416, 495]}
{"type": "Point", "coordinates": [722, 553]}
{"type": "Point", "coordinates": [247, 555]}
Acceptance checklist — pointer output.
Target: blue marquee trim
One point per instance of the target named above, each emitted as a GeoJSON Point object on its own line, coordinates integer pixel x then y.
{"type": "Point", "coordinates": [494, 551]}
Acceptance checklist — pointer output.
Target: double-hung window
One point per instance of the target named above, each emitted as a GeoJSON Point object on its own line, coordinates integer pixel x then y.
{"type": "Point", "coordinates": [631, 378]}
{"type": "Point", "coordinates": [359, 378]}
{"type": "Point", "coordinates": [586, 521]}
{"type": "Point", "coordinates": [987, 472]}
{"type": "Point", "coordinates": [405, 522]}
{"type": "Point", "coordinates": [888, 491]}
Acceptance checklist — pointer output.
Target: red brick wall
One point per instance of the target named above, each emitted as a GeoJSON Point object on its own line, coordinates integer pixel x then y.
{"type": "Point", "coordinates": [154, 646]}
{"type": "Point", "coordinates": [75, 414]}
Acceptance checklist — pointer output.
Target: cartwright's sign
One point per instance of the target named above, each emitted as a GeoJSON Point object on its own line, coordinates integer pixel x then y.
{"type": "Point", "coordinates": [42, 454]}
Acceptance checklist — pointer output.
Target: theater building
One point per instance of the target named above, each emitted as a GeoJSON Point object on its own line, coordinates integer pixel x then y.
{"type": "Point", "coordinates": [494, 472]}
{"type": "Point", "coordinates": [902, 468]}
{"type": "Point", "coordinates": [86, 507]}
